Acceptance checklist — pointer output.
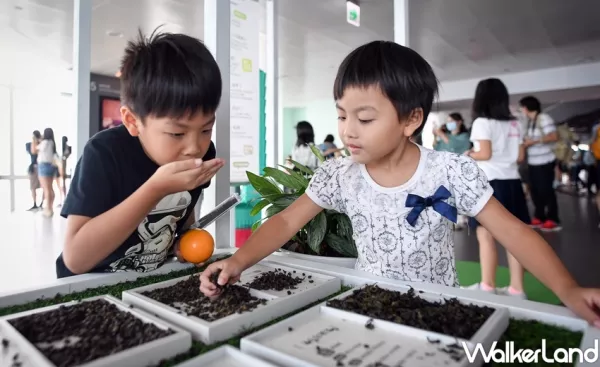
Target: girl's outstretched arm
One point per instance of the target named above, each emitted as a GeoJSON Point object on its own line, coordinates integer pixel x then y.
{"type": "Point", "coordinates": [536, 255]}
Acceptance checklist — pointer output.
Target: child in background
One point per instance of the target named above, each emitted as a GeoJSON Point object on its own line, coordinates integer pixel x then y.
{"type": "Point", "coordinates": [136, 185]}
{"type": "Point", "coordinates": [498, 148]}
{"type": "Point", "coordinates": [401, 198]}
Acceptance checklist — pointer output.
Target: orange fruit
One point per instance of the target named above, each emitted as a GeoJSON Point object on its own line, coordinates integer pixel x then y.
{"type": "Point", "coordinates": [196, 246]}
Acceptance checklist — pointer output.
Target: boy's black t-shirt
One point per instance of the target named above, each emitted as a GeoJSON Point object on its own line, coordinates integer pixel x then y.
{"type": "Point", "coordinates": [113, 166]}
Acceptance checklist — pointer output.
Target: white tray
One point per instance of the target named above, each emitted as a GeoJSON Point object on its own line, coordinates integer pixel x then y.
{"type": "Point", "coordinates": [141, 356]}
{"type": "Point", "coordinates": [278, 304]}
{"type": "Point", "coordinates": [225, 356]}
{"type": "Point", "coordinates": [294, 341]}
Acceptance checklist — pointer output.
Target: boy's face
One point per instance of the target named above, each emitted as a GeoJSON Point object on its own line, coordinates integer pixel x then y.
{"type": "Point", "coordinates": [369, 126]}
{"type": "Point", "coordinates": [167, 140]}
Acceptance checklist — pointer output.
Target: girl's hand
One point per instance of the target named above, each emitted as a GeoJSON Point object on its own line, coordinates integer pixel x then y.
{"type": "Point", "coordinates": [585, 302]}
{"type": "Point", "coordinates": [230, 273]}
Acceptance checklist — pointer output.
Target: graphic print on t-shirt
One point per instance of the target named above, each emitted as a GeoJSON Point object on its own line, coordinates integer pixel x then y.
{"type": "Point", "coordinates": [156, 234]}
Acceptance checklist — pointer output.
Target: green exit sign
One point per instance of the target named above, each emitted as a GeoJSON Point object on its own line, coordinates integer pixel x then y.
{"type": "Point", "coordinates": [353, 13]}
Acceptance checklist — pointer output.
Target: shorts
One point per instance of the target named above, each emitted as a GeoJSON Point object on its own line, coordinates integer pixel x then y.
{"type": "Point", "coordinates": [46, 170]}
{"type": "Point", "coordinates": [510, 194]}
{"type": "Point", "coordinates": [34, 181]}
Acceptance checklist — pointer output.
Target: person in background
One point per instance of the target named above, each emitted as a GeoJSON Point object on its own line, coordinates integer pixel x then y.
{"type": "Point", "coordinates": [453, 136]}
{"type": "Point", "coordinates": [305, 136]}
{"type": "Point", "coordinates": [32, 170]}
{"type": "Point", "coordinates": [539, 141]}
{"type": "Point", "coordinates": [328, 148]}
{"type": "Point", "coordinates": [46, 151]}
{"type": "Point", "coordinates": [497, 139]}
{"type": "Point", "coordinates": [595, 150]}
{"type": "Point", "coordinates": [62, 168]}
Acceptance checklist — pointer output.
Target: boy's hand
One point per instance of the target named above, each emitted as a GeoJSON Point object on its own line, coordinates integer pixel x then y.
{"type": "Point", "coordinates": [184, 175]}
{"type": "Point", "coordinates": [585, 302]}
{"type": "Point", "coordinates": [230, 273]}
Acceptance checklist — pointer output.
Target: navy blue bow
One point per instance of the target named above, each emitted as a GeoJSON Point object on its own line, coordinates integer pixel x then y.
{"type": "Point", "coordinates": [436, 201]}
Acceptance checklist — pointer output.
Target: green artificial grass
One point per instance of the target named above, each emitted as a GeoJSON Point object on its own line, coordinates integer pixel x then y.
{"type": "Point", "coordinates": [528, 334]}
{"type": "Point", "coordinates": [524, 334]}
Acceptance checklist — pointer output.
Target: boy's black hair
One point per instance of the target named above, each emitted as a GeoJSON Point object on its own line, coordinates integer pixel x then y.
{"type": "Point", "coordinates": [531, 103]}
{"type": "Point", "coordinates": [169, 75]}
{"type": "Point", "coordinates": [37, 134]}
{"type": "Point", "coordinates": [329, 138]}
{"type": "Point", "coordinates": [304, 133]}
{"type": "Point", "coordinates": [403, 76]}
{"type": "Point", "coordinates": [492, 100]}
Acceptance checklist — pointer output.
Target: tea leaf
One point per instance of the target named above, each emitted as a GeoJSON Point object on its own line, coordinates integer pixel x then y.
{"type": "Point", "coordinates": [259, 206]}
{"type": "Point", "coordinates": [283, 178]}
{"type": "Point", "coordinates": [302, 168]}
{"type": "Point", "coordinates": [340, 245]}
{"type": "Point", "coordinates": [316, 151]}
{"type": "Point", "coordinates": [267, 189]}
{"type": "Point", "coordinates": [317, 228]}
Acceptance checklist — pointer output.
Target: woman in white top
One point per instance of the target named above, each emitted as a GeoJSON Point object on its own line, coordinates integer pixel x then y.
{"type": "Point", "coordinates": [302, 152]}
{"type": "Point", "coordinates": [497, 147]}
{"type": "Point", "coordinates": [47, 169]}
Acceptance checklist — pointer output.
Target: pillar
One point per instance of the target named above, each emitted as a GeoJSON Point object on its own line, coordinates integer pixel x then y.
{"type": "Point", "coordinates": [274, 131]}
{"type": "Point", "coordinates": [401, 22]}
{"type": "Point", "coordinates": [82, 47]}
{"type": "Point", "coordinates": [217, 39]}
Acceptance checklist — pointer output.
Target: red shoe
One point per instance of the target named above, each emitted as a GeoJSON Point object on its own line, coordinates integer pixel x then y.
{"type": "Point", "coordinates": [551, 226]}
{"type": "Point", "coordinates": [536, 223]}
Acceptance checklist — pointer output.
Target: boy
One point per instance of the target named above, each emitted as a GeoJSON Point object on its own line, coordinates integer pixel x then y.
{"type": "Point", "coordinates": [136, 185]}
{"type": "Point", "coordinates": [401, 198]}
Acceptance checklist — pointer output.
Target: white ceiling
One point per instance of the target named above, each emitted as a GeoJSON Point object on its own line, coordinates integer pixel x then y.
{"type": "Point", "coordinates": [460, 38]}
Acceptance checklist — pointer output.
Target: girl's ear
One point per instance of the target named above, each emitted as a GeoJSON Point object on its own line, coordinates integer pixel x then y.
{"type": "Point", "coordinates": [413, 122]}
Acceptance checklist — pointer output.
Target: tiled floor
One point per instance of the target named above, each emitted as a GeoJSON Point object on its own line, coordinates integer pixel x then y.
{"type": "Point", "coordinates": [32, 242]}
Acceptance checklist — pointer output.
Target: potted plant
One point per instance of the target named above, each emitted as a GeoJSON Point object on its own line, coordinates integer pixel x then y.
{"type": "Point", "coordinates": [327, 238]}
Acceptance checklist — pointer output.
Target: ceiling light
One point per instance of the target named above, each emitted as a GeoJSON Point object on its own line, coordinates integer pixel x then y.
{"type": "Point", "coordinates": [18, 7]}
{"type": "Point", "coordinates": [114, 34]}
{"type": "Point", "coordinates": [118, 74]}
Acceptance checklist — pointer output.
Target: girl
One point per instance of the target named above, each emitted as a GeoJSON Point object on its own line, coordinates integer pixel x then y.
{"type": "Point", "coordinates": [302, 152]}
{"type": "Point", "coordinates": [401, 198]}
{"type": "Point", "coordinates": [498, 148]}
{"type": "Point", "coordinates": [46, 151]}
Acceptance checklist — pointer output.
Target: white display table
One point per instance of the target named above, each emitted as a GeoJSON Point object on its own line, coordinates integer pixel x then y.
{"type": "Point", "coordinates": [517, 309]}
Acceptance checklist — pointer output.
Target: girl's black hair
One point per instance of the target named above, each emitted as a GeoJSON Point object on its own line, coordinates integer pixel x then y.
{"type": "Point", "coordinates": [401, 74]}
{"type": "Point", "coordinates": [37, 134]}
{"type": "Point", "coordinates": [492, 101]}
{"type": "Point", "coordinates": [64, 143]}
{"type": "Point", "coordinates": [305, 133]}
{"type": "Point", "coordinates": [456, 117]}
{"type": "Point", "coordinates": [49, 135]}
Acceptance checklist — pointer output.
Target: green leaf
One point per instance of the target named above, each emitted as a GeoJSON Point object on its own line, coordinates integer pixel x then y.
{"type": "Point", "coordinates": [344, 225]}
{"type": "Point", "coordinates": [297, 175]}
{"type": "Point", "coordinates": [285, 201]}
{"type": "Point", "coordinates": [340, 245]}
{"type": "Point", "coordinates": [346, 152]}
{"type": "Point", "coordinates": [283, 178]}
{"type": "Point", "coordinates": [316, 151]}
{"type": "Point", "coordinates": [302, 168]}
{"type": "Point", "coordinates": [259, 206]}
{"type": "Point", "coordinates": [265, 187]}
{"type": "Point", "coordinates": [274, 209]}
{"type": "Point", "coordinates": [316, 230]}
